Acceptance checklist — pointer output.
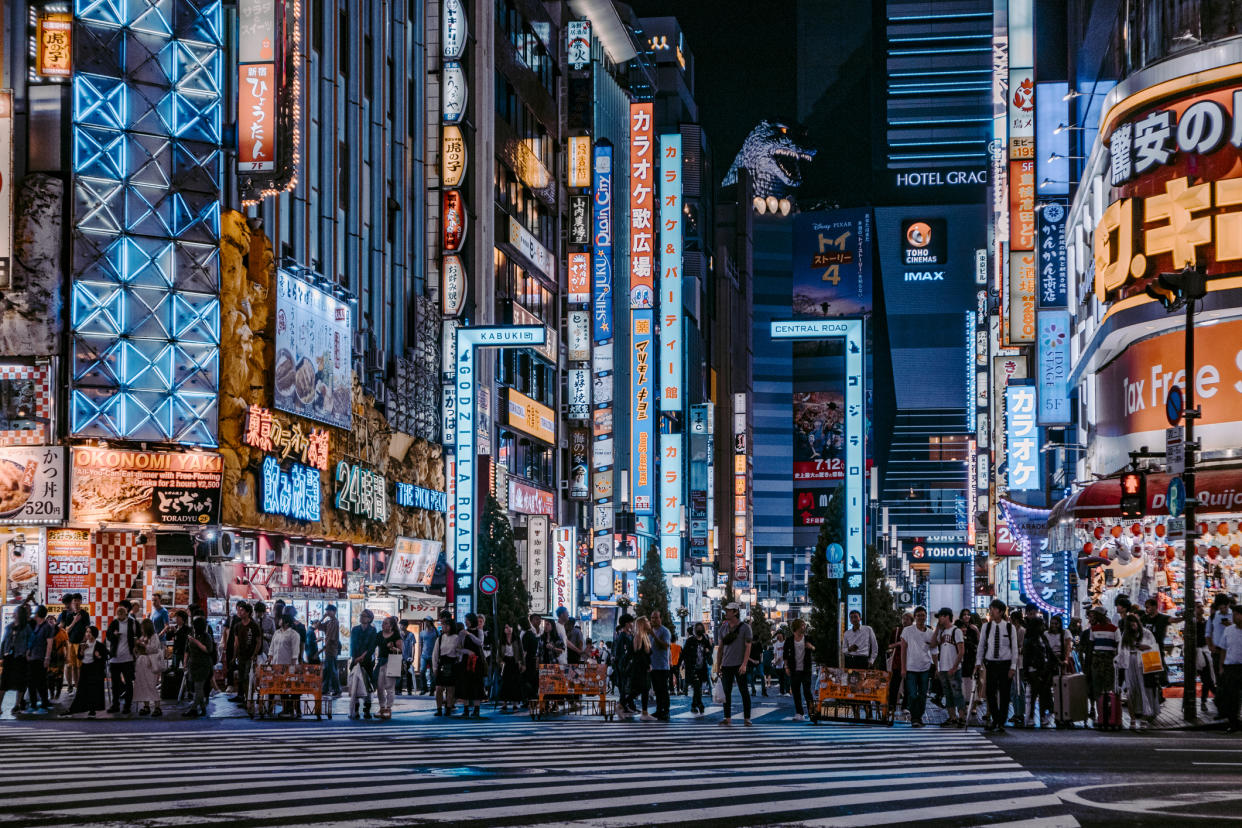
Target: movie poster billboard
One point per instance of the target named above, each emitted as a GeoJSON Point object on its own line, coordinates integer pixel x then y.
{"type": "Point", "coordinates": [832, 263]}
{"type": "Point", "coordinates": [818, 452]}
{"type": "Point", "coordinates": [313, 368]}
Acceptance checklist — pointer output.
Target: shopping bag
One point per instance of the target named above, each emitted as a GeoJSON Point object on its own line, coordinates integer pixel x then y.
{"type": "Point", "coordinates": [358, 684]}
{"type": "Point", "coordinates": [393, 669]}
{"type": "Point", "coordinates": [1151, 662]}
{"type": "Point", "coordinates": [718, 695]}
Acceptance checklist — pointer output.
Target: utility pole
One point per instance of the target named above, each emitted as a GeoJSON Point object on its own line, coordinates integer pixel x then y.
{"type": "Point", "coordinates": [1174, 290]}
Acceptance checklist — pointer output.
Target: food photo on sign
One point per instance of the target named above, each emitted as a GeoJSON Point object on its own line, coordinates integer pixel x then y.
{"type": "Point", "coordinates": [313, 373]}
{"type": "Point", "coordinates": [128, 487]}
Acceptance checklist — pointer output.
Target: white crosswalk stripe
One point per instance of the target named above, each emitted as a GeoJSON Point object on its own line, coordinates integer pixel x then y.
{"type": "Point", "coordinates": [512, 771]}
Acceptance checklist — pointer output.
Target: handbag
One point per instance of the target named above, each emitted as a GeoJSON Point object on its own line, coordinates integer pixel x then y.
{"type": "Point", "coordinates": [718, 695]}
{"type": "Point", "coordinates": [1152, 662]}
{"type": "Point", "coordinates": [394, 665]}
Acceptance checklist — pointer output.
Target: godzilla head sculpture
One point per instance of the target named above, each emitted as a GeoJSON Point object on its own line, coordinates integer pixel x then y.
{"type": "Point", "coordinates": [773, 158]}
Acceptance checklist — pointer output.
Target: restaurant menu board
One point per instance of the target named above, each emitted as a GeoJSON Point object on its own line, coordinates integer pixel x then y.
{"type": "Point", "coordinates": [24, 556]}
{"type": "Point", "coordinates": [313, 369]}
{"type": "Point", "coordinates": [32, 488]}
{"type": "Point", "coordinates": [166, 488]}
{"type": "Point", "coordinates": [69, 562]}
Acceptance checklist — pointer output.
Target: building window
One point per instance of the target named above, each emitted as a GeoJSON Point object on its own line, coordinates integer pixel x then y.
{"type": "Point", "coordinates": [947, 448]}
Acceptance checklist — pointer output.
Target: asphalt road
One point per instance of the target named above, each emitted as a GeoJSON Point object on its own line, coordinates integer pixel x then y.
{"type": "Point", "coordinates": [1156, 778]}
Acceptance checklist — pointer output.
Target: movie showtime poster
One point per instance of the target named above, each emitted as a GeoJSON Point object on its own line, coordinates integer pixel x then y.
{"type": "Point", "coordinates": [818, 452]}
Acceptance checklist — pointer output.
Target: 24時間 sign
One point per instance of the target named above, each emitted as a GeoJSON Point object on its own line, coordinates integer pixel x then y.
{"type": "Point", "coordinates": [361, 491]}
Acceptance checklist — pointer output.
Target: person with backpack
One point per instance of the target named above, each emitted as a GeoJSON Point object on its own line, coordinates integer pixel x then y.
{"type": "Point", "coordinates": [1039, 664]}
{"type": "Point", "coordinates": [998, 642]}
{"type": "Point", "coordinates": [733, 646]}
{"type": "Point", "coordinates": [950, 650]}
{"type": "Point", "coordinates": [200, 658]}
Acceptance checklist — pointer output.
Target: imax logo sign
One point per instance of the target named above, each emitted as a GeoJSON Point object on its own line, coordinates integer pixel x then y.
{"type": "Point", "coordinates": [925, 275]}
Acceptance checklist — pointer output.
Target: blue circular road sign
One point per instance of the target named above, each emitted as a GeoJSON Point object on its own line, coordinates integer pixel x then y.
{"type": "Point", "coordinates": [488, 585]}
{"type": "Point", "coordinates": [1176, 497]}
{"type": "Point", "coordinates": [1174, 405]}
{"type": "Point", "coordinates": [834, 553]}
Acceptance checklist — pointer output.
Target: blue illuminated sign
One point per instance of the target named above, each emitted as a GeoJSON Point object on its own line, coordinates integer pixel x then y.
{"type": "Point", "coordinates": [293, 493]}
{"type": "Point", "coordinates": [672, 320]}
{"type": "Point", "coordinates": [1022, 453]}
{"type": "Point", "coordinates": [416, 497]}
{"type": "Point", "coordinates": [601, 223]}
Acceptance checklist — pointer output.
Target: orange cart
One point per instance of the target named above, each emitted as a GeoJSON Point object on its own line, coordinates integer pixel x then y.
{"type": "Point", "coordinates": [848, 695]}
{"type": "Point", "coordinates": [573, 688]}
{"type": "Point", "coordinates": [272, 682]}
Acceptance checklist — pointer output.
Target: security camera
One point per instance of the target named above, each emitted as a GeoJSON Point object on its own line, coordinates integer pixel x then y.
{"type": "Point", "coordinates": [142, 538]}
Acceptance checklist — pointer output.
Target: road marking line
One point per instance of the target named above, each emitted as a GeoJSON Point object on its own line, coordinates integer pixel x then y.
{"type": "Point", "coordinates": [940, 812]}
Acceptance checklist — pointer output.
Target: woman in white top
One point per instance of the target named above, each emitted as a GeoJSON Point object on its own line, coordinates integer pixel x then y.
{"type": "Point", "coordinates": [1141, 691]}
{"type": "Point", "coordinates": [148, 668]}
{"type": "Point", "coordinates": [285, 650]}
{"type": "Point", "coordinates": [444, 656]}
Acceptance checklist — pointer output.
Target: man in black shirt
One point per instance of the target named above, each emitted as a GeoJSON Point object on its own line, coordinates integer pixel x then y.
{"type": "Point", "coordinates": [1158, 623]}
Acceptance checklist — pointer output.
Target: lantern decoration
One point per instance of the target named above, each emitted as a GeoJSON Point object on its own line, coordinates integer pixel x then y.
{"type": "Point", "coordinates": [1170, 553]}
{"type": "Point", "coordinates": [1213, 552]}
{"type": "Point", "coordinates": [1116, 531]}
{"type": "Point", "coordinates": [1222, 528]}
{"type": "Point", "coordinates": [1235, 550]}
{"type": "Point", "coordinates": [1099, 532]}
{"type": "Point", "coordinates": [1202, 528]}
{"type": "Point", "coordinates": [1160, 530]}
{"type": "Point", "coordinates": [1089, 547]}
{"type": "Point", "coordinates": [1136, 529]}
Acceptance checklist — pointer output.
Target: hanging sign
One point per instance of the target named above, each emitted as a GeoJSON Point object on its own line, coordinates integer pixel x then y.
{"type": "Point", "coordinates": [580, 161]}
{"type": "Point", "coordinates": [578, 327]}
{"type": "Point", "coordinates": [578, 385]}
{"type": "Point", "coordinates": [580, 222]}
{"type": "Point", "coordinates": [578, 43]}
{"type": "Point", "coordinates": [452, 156]}
{"type": "Point", "coordinates": [642, 199]}
{"type": "Point", "coordinates": [452, 92]}
{"type": "Point", "coordinates": [256, 117]}
{"type": "Point", "coordinates": [452, 30]}
{"type": "Point", "coordinates": [601, 273]}
{"type": "Point", "coordinates": [454, 218]}
{"type": "Point", "coordinates": [537, 564]}
{"type": "Point", "coordinates": [453, 285]}
{"type": "Point", "coordinates": [55, 51]}
{"type": "Point", "coordinates": [564, 577]}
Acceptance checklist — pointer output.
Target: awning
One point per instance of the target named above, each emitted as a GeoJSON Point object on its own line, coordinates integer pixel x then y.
{"type": "Point", "coordinates": [1218, 491]}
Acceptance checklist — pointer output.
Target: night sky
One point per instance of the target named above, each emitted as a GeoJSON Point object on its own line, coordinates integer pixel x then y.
{"type": "Point", "coordinates": [744, 51]}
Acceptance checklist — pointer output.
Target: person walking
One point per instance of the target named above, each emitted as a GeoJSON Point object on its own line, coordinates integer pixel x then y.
{"type": "Point", "coordinates": [733, 643]}
{"type": "Point", "coordinates": [950, 646]}
{"type": "Point", "coordinates": [696, 655]}
{"type": "Point", "coordinates": [778, 663]}
{"type": "Point", "coordinates": [122, 639]}
{"type": "Point", "coordinates": [388, 670]}
{"type": "Point", "coordinates": [247, 638]}
{"type": "Point", "coordinates": [1207, 669]}
{"type": "Point", "coordinates": [92, 657]}
{"type": "Point", "coordinates": [285, 651]}
{"type": "Point", "coordinates": [1039, 664]}
{"type": "Point", "coordinates": [363, 640]}
{"type": "Point", "coordinates": [530, 656]}
{"type": "Point", "coordinates": [640, 664]}
{"type": "Point", "coordinates": [200, 659]}
{"type": "Point", "coordinates": [74, 621]}
{"type": "Point", "coordinates": [916, 643]}
{"type": "Point", "coordinates": [331, 629]}
{"type": "Point", "coordinates": [512, 665]}
{"type": "Point", "coordinates": [1141, 688]}
{"type": "Point", "coordinates": [967, 623]}
{"type": "Point", "coordinates": [444, 658]}
{"type": "Point", "coordinates": [999, 642]}
{"type": "Point", "coordinates": [473, 672]}
{"type": "Point", "coordinates": [661, 664]}
{"type": "Point", "coordinates": [797, 656]}
{"type": "Point", "coordinates": [623, 658]}
{"type": "Point", "coordinates": [859, 644]}
{"type": "Point", "coordinates": [39, 659]}
{"type": "Point", "coordinates": [1230, 697]}
{"type": "Point", "coordinates": [1218, 624]}
{"type": "Point", "coordinates": [1104, 639]}
{"type": "Point", "coordinates": [409, 643]}
{"type": "Point", "coordinates": [148, 667]}
{"type": "Point", "coordinates": [426, 645]}
{"type": "Point", "coordinates": [13, 648]}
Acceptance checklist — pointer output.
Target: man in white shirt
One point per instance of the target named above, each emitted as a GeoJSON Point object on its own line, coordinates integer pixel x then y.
{"type": "Point", "coordinates": [859, 643]}
{"type": "Point", "coordinates": [1231, 674]}
{"type": "Point", "coordinates": [916, 644]}
{"type": "Point", "coordinates": [998, 651]}
{"type": "Point", "coordinates": [950, 647]}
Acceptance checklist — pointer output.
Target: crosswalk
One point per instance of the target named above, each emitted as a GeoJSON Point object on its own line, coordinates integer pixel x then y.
{"type": "Point", "coordinates": [512, 772]}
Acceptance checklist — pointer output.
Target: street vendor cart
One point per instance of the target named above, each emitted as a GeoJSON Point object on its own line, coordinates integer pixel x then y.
{"type": "Point", "coordinates": [573, 688]}
{"type": "Point", "coordinates": [301, 684]}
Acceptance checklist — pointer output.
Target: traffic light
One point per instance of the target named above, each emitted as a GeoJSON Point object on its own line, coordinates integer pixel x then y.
{"type": "Point", "coordinates": [1174, 290]}
{"type": "Point", "coordinates": [1133, 494]}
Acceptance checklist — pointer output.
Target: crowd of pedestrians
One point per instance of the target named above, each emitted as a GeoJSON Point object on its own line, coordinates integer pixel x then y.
{"type": "Point", "coordinates": [1012, 667]}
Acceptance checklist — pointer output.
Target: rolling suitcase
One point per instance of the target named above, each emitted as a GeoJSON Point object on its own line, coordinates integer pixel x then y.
{"type": "Point", "coordinates": [1108, 711]}
{"type": "Point", "coordinates": [1069, 699]}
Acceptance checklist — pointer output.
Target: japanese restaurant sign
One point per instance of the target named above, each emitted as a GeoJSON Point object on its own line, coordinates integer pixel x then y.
{"type": "Point", "coordinates": [32, 487]}
{"type": "Point", "coordinates": [256, 117]}
{"type": "Point", "coordinates": [272, 433]}
{"type": "Point", "coordinates": [162, 487]}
